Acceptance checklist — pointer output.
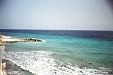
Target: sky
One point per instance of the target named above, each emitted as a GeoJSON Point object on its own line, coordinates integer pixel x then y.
{"type": "Point", "coordinates": [56, 14]}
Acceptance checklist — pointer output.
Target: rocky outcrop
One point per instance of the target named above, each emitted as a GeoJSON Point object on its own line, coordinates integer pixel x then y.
{"type": "Point", "coordinates": [31, 40]}
{"type": "Point", "coordinates": [6, 41]}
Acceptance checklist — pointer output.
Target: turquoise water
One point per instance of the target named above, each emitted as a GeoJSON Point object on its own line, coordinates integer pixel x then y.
{"type": "Point", "coordinates": [63, 53]}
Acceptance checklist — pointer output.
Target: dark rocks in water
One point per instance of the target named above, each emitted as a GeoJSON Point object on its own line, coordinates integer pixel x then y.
{"type": "Point", "coordinates": [81, 71]}
{"type": "Point", "coordinates": [82, 67]}
{"type": "Point", "coordinates": [110, 73]}
{"type": "Point", "coordinates": [63, 65]}
{"type": "Point", "coordinates": [90, 63]}
{"type": "Point", "coordinates": [32, 40]}
{"type": "Point", "coordinates": [13, 69]}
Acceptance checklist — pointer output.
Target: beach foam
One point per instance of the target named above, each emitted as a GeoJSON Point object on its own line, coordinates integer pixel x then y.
{"type": "Point", "coordinates": [42, 63]}
{"type": "Point", "coordinates": [7, 37]}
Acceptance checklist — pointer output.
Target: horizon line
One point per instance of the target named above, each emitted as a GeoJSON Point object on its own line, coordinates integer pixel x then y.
{"type": "Point", "coordinates": [58, 29]}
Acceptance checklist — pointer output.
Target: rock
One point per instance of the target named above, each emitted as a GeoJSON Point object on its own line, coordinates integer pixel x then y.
{"type": "Point", "coordinates": [90, 63]}
{"type": "Point", "coordinates": [3, 65]}
{"type": "Point", "coordinates": [3, 68]}
{"type": "Point", "coordinates": [81, 71]}
{"type": "Point", "coordinates": [82, 67]}
{"type": "Point", "coordinates": [110, 73]}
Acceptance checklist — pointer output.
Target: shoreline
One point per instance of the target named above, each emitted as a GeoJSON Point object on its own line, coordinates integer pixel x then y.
{"type": "Point", "coordinates": [5, 40]}
{"type": "Point", "coordinates": [14, 69]}
{"type": "Point", "coordinates": [62, 65]}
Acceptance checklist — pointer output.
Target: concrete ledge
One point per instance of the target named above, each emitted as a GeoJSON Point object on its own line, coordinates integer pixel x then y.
{"type": "Point", "coordinates": [1, 73]}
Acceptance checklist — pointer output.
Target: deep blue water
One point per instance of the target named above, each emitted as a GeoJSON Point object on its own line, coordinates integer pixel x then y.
{"type": "Point", "coordinates": [64, 53]}
{"type": "Point", "coordinates": [103, 35]}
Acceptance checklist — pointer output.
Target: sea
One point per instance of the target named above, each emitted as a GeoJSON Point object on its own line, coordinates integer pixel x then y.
{"type": "Point", "coordinates": [65, 52]}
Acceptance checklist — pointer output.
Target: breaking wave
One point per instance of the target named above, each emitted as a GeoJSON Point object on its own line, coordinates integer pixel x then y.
{"type": "Point", "coordinates": [42, 63]}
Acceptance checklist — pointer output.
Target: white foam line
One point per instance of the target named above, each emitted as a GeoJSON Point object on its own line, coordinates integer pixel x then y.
{"type": "Point", "coordinates": [43, 41]}
{"type": "Point", "coordinates": [41, 63]}
{"type": "Point", "coordinates": [3, 36]}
